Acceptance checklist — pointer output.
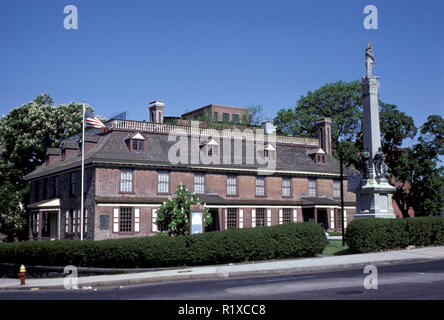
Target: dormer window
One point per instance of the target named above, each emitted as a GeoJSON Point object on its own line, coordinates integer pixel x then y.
{"type": "Point", "coordinates": [320, 159]}
{"type": "Point", "coordinates": [319, 156]}
{"type": "Point", "coordinates": [212, 150]}
{"type": "Point", "coordinates": [137, 143]}
{"type": "Point", "coordinates": [212, 147]}
{"type": "Point", "coordinates": [270, 152]}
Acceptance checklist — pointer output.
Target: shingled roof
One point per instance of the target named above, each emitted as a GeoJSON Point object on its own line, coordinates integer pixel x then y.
{"type": "Point", "coordinates": [112, 149]}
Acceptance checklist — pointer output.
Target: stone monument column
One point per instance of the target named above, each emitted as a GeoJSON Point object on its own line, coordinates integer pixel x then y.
{"type": "Point", "coordinates": [370, 123]}
{"type": "Point", "coordinates": [374, 197]}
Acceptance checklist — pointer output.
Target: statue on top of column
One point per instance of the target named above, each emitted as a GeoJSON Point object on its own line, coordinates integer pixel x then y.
{"type": "Point", "coordinates": [369, 59]}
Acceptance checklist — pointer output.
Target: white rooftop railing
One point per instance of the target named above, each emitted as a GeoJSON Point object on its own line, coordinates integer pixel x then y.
{"type": "Point", "coordinates": [225, 133]}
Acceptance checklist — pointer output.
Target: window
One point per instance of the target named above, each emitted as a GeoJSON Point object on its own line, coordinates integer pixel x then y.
{"type": "Point", "coordinates": [312, 187]}
{"type": "Point", "coordinates": [235, 117]}
{"type": "Point", "coordinates": [216, 116]}
{"type": "Point", "coordinates": [199, 183]}
{"type": "Point", "coordinates": [51, 189]}
{"type": "Point", "coordinates": [56, 186]}
{"type": "Point", "coordinates": [126, 220]}
{"type": "Point", "coordinates": [270, 152]}
{"type": "Point", "coordinates": [163, 182]}
{"type": "Point", "coordinates": [260, 217]}
{"type": "Point", "coordinates": [225, 117]}
{"type": "Point", "coordinates": [35, 222]}
{"type": "Point", "coordinates": [212, 150]}
{"type": "Point", "coordinates": [231, 218]}
{"type": "Point", "coordinates": [85, 220]}
{"type": "Point", "coordinates": [71, 221]}
{"type": "Point", "coordinates": [85, 181]}
{"type": "Point", "coordinates": [36, 191]}
{"type": "Point", "coordinates": [45, 231]}
{"type": "Point", "coordinates": [336, 189]}
{"type": "Point", "coordinates": [72, 190]}
{"type": "Point", "coordinates": [286, 187]}
{"type": "Point", "coordinates": [138, 145]}
{"type": "Point", "coordinates": [260, 186]}
{"type": "Point", "coordinates": [104, 222]}
{"type": "Point", "coordinates": [287, 215]}
{"type": "Point", "coordinates": [126, 180]}
{"type": "Point", "coordinates": [231, 185]}
{"type": "Point", "coordinates": [320, 158]}
{"type": "Point", "coordinates": [45, 189]}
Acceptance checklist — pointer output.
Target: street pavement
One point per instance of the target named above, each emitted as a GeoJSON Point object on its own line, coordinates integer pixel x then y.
{"type": "Point", "coordinates": [269, 268]}
{"type": "Point", "coordinates": [419, 281]}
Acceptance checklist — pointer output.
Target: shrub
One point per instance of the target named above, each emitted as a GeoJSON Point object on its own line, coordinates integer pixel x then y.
{"type": "Point", "coordinates": [370, 235]}
{"type": "Point", "coordinates": [234, 245]}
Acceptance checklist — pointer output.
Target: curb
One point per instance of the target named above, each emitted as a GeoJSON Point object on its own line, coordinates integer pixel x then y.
{"type": "Point", "coordinates": [221, 275]}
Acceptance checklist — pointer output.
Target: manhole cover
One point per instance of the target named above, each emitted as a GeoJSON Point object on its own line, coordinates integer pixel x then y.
{"type": "Point", "coordinates": [350, 292]}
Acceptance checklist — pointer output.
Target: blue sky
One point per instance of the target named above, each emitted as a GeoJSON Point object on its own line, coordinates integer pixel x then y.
{"type": "Point", "coordinates": [191, 53]}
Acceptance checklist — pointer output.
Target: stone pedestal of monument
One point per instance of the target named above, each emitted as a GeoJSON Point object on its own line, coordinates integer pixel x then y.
{"type": "Point", "coordinates": [374, 196]}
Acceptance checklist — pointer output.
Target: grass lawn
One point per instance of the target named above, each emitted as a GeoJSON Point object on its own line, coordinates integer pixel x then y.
{"type": "Point", "coordinates": [335, 248]}
{"type": "Point", "coordinates": [335, 233]}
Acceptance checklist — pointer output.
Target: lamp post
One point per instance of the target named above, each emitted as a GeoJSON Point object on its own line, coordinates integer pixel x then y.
{"type": "Point", "coordinates": [341, 164]}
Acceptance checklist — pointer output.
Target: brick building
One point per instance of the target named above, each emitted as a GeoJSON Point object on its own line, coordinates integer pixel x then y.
{"type": "Point", "coordinates": [217, 112]}
{"type": "Point", "coordinates": [131, 170]}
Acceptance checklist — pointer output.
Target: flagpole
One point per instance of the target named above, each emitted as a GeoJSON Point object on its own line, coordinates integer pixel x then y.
{"type": "Point", "coordinates": [83, 175]}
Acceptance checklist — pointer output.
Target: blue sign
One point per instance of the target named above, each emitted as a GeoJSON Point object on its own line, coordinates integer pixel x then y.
{"type": "Point", "coordinates": [196, 222]}
{"type": "Point", "coordinates": [354, 181]}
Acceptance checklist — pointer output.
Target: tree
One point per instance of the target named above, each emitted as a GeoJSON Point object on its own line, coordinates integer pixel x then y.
{"type": "Point", "coordinates": [25, 134]}
{"type": "Point", "coordinates": [253, 117]}
{"type": "Point", "coordinates": [418, 170]}
{"type": "Point", "coordinates": [396, 127]}
{"type": "Point", "coordinates": [173, 217]}
{"type": "Point", "coordinates": [339, 101]}
{"type": "Point", "coordinates": [12, 213]}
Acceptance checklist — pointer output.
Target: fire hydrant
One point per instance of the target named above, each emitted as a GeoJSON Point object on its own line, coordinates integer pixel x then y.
{"type": "Point", "coordinates": [22, 275]}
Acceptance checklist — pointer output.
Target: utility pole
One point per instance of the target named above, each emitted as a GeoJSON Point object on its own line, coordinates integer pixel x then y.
{"type": "Point", "coordinates": [341, 163]}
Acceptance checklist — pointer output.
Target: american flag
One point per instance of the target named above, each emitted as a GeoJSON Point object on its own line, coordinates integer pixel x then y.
{"type": "Point", "coordinates": [91, 121]}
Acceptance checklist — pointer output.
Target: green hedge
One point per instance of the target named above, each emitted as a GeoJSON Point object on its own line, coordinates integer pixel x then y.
{"type": "Point", "coordinates": [369, 235]}
{"type": "Point", "coordinates": [234, 245]}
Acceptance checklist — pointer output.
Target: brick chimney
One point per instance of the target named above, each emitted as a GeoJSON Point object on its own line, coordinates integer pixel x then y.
{"type": "Point", "coordinates": [324, 134]}
{"type": "Point", "coordinates": [156, 111]}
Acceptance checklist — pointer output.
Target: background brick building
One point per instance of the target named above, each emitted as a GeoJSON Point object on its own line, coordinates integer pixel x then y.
{"type": "Point", "coordinates": [129, 174]}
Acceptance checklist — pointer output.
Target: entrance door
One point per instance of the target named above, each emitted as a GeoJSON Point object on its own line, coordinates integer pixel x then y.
{"type": "Point", "coordinates": [54, 224]}
{"type": "Point", "coordinates": [214, 226]}
{"type": "Point", "coordinates": [308, 214]}
{"type": "Point", "coordinates": [323, 218]}
{"type": "Point", "coordinates": [49, 228]}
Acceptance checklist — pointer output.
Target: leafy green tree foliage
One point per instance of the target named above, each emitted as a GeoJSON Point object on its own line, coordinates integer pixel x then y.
{"type": "Point", "coordinates": [339, 101]}
{"type": "Point", "coordinates": [12, 213]}
{"type": "Point", "coordinates": [396, 127]}
{"type": "Point", "coordinates": [417, 171]}
{"type": "Point", "coordinates": [254, 116]}
{"type": "Point", "coordinates": [173, 217]}
{"type": "Point", "coordinates": [25, 134]}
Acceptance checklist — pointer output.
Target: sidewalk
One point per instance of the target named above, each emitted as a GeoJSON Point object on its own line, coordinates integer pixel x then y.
{"type": "Point", "coordinates": [330, 263]}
